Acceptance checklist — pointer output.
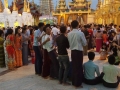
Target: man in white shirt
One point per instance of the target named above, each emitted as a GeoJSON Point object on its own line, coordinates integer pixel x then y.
{"type": "Point", "coordinates": [55, 31]}
{"type": "Point", "coordinates": [48, 44]}
{"type": "Point", "coordinates": [111, 72]}
{"type": "Point", "coordinates": [36, 47]}
{"type": "Point", "coordinates": [77, 41]}
{"type": "Point", "coordinates": [68, 28]}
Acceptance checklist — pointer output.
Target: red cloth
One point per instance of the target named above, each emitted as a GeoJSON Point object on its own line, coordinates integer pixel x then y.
{"type": "Point", "coordinates": [10, 50]}
{"type": "Point", "coordinates": [98, 44]}
{"type": "Point", "coordinates": [90, 32]}
{"type": "Point", "coordinates": [105, 38]}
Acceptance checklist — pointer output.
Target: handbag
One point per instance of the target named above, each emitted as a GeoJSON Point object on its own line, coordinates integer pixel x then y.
{"type": "Point", "coordinates": [118, 52]}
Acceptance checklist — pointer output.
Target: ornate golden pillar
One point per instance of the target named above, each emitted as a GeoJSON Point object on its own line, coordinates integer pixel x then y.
{"type": "Point", "coordinates": [59, 19]}
{"type": "Point", "coordinates": [118, 19]}
{"type": "Point", "coordinates": [115, 19]}
{"type": "Point", "coordinates": [66, 20]}
{"type": "Point", "coordinates": [74, 17]}
{"type": "Point", "coordinates": [84, 17]}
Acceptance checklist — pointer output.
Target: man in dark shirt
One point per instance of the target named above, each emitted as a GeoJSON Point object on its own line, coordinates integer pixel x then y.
{"type": "Point", "coordinates": [63, 44]}
{"type": "Point", "coordinates": [86, 33]}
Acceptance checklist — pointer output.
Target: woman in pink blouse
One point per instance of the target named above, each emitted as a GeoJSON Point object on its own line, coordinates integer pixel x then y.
{"type": "Point", "coordinates": [98, 40]}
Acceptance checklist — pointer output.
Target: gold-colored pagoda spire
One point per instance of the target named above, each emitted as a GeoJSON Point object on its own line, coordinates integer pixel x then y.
{"type": "Point", "coordinates": [25, 6]}
{"type": "Point", "coordinates": [1, 6]}
{"type": "Point", "coordinates": [28, 7]}
{"type": "Point", "coordinates": [14, 6]}
{"type": "Point", "coordinates": [61, 5]}
{"type": "Point", "coordinates": [6, 3]}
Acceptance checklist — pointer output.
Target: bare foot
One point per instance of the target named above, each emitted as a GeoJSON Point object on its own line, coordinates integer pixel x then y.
{"type": "Point", "coordinates": [51, 78]}
{"type": "Point", "coordinates": [78, 87]}
{"type": "Point", "coordinates": [66, 84]}
{"type": "Point", "coordinates": [46, 77]}
{"type": "Point", "coordinates": [60, 82]}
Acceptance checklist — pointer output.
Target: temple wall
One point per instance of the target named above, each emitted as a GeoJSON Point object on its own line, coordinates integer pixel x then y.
{"type": "Point", "coordinates": [90, 18]}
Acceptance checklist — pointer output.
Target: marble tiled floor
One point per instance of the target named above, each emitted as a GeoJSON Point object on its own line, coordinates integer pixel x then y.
{"type": "Point", "coordinates": [24, 79]}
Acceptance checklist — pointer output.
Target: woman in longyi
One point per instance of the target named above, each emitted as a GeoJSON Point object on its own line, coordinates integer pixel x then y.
{"type": "Point", "coordinates": [9, 46]}
{"type": "Point", "coordinates": [18, 47]}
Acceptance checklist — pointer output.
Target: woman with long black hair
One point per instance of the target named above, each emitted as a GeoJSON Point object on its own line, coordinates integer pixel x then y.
{"type": "Point", "coordinates": [25, 39]}
{"type": "Point", "coordinates": [10, 51]}
{"type": "Point", "coordinates": [18, 47]}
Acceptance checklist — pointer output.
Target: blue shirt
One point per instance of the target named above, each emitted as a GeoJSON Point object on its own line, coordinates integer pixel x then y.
{"type": "Point", "coordinates": [37, 33]}
{"type": "Point", "coordinates": [76, 40]}
{"type": "Point", "coordinates": [90, 68]}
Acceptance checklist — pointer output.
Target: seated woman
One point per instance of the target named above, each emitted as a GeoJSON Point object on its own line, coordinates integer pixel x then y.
{"type": "Point", "coordinates": [90, 68]}
{"type": "Point", "coordinates": [111, 73]}
{"type": "Point", "coordinates": [103, 52]}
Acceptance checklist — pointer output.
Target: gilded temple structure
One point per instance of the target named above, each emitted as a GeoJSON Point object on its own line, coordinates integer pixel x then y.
{"type": "Point", "coordinates": [108, 11]}
{"type": "Point", "coordinates": [76, 10]}
{"type": "Point", "coordinates": [12, 16]}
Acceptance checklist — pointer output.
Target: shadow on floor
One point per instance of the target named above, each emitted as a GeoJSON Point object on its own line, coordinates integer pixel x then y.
{"type": "Point", "coordinates": [5, 72]}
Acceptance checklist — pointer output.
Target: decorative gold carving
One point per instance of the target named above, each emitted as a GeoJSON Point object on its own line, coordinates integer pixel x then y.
{"type": "Point", "coordinates": [77, 8]}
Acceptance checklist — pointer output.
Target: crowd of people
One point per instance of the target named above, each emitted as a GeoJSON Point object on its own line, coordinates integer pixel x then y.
{"type": "Point", "coordinates": [48, 48]}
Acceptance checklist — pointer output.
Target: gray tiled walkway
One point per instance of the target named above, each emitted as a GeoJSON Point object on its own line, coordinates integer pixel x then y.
{"type": "Point", "coordinates": [25, 79]}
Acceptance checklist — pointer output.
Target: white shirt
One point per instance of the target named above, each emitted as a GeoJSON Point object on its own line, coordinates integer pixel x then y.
{"type": "Point", "coordinates": [111, 72]}
{"type": "Point", "coordinates": [37, 33]}
{"type": "Point", "coordinates": [49, 44]}
{"type": "Point", "coordinates": [115, 30]}
{"type": "Point", "coordinates": [94, 32]}
{"type": "Point", "coordinates": [55, 31]}
{"type": "Point", "coordinates": [28, 32]}
{"type": "Point", "coordinates": [68, 28]}
{"type": "Point", "coordinates": [76, 40]}
{"type": "Point", "coordinates": [43, 39]}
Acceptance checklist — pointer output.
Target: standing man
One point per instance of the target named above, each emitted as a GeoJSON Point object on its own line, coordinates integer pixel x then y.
{"type": "Point", "coordinates": [36, 47]}
{"type": "Point", "coordinates": [48, 43]}
{"type": "Point", "coordinates": [77, 41]}
{"type": "Point", "coordinates": [86, 33]}
{"type": "Point", "coordinates": [55, 32]}
{"type": "Point", "coordinates": [63, 58]}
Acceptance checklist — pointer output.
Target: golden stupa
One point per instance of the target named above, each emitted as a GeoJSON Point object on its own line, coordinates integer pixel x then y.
{"type": "Point", "coordinates": [28, 7]}
{"type": "Point", "coordinates": [1, 7]}
{"type": "Point", "coordinates": [108, 11]}
{"type": "Point", "coordinates": [6, 3]}
{"type": "Point", "coordinates": [14, 6]}
{"type": "Point", "coordinates": [25, 6]}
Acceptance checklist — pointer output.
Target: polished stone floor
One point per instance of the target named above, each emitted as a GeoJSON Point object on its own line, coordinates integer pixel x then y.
{"type": "Point", "coordinates": [24, 79]}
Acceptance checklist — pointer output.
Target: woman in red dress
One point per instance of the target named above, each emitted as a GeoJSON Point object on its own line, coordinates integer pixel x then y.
{"type": "Point", "coordinates": [10, 51]}
{"type": "Point", "coordinates": [105, 37]}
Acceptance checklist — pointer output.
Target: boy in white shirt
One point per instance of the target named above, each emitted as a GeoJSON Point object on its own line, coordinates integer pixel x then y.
{"type": "Point", "coordinates": [48, 43]}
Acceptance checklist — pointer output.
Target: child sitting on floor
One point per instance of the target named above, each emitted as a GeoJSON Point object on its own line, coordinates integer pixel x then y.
{"type": "Point", "coordinates": [103, 52]}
